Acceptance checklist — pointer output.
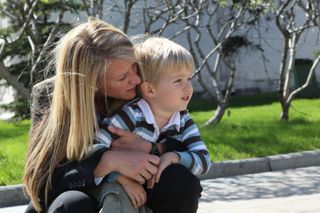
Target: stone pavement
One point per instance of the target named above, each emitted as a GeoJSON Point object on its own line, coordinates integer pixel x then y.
{"type": "Point", "coordinates": [287, 191]}
{"type": "Point", "coordinates": [294, 190]}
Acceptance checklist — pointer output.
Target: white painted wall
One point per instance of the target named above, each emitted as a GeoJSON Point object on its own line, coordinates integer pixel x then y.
{"type": "Point", "coordinates": [6, 96]}
{"type": "Point", "coordinates": [251, 71]}
{"type": "Point", "coordinates": [251, 75]}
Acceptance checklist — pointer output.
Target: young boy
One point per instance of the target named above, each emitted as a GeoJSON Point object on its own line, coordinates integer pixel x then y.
{"type": "Point", "coordinates": [166, 90]}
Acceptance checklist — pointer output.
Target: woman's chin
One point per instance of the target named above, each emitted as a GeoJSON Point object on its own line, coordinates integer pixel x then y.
{"type": "Point", "coordinates": [131, 96]}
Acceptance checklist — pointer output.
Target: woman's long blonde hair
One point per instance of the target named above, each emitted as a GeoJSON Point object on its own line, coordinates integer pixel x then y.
{"type": "Point", "coordinates": [68, 130]}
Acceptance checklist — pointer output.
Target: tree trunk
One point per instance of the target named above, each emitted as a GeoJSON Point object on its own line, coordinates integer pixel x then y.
{"type": "Point", "coordinates": [285, 111]}
{"type": "Point", "coordinates": [221, 108]}
{"type": "Point", "coordinates": [12, 80]}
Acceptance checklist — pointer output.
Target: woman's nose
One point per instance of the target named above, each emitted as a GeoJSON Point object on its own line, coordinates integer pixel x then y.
{"type": "Point", "coordinates": [135, 78]}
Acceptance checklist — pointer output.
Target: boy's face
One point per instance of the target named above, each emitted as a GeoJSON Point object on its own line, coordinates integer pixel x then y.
{"type": "Point", "coordinates": [173, 91]}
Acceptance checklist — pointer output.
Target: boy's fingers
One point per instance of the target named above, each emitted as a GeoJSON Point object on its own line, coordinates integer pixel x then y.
{"type": "Point", "coordinates": [159, 174]}
{"type": "Point", "coordinates": [138, 200]}
{"type": "Point", "coordinates": [162, 167]}
{"type": "Point", "coordinates": [133, 201]}
{"type": "Point", "coordinates": [151, 182]}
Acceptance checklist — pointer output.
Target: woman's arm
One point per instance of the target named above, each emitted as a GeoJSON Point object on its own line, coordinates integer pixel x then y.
{"type": "Point", "coordinates": [136, 165]}
{"type": "Point", "coordinates": [80, 175]}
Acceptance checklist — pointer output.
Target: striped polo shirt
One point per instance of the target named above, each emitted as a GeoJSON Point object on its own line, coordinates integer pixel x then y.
{"type": "Point", "coordinates": [137, 117]}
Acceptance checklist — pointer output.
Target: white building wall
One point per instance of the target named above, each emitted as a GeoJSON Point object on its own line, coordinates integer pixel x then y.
{"type": "Point", "coordinates": [253, 74]}
{"type": "Point", "coordinates": [251, 70]}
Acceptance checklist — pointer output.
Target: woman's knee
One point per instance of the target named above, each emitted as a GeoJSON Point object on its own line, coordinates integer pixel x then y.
{"type": "Point", "coordinates": [73, 201]}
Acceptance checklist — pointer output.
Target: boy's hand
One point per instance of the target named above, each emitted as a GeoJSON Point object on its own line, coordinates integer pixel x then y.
{"type": "Point", "coordinates": [151, 182]}
{"type": "Point", "coordinates": [134, 190]}
{"type": "Point", "coordinates": [165, 160]}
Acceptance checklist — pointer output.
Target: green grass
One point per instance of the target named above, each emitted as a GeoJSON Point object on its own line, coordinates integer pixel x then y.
{"type": "Point", "coordinates": [13, 144]}
{"type": "Point", "coordinates": [256, 131]}
{"type": "Point", "coordinates": [244, 132]}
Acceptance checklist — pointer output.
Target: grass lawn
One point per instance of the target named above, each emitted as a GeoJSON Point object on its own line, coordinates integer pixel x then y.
{"type": "Point", "coordinates": [13, 145]}
{"type": "Point", "coordinates": [245, 132]}
{"type": "Point", "coordinates": [256, 131]}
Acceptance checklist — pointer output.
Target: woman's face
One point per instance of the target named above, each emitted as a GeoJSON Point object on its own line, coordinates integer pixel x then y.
{"type": "Point", "coordinates": [120, 79]}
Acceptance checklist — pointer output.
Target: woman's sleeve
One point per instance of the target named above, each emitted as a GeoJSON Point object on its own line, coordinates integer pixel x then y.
{"type": "Point", "coordinates": [75, 175]}
{"type": "Point", "coordinates": [41, 97]}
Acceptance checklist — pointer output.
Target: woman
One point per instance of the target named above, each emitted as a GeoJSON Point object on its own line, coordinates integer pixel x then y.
{"type": "Point", "coordinates": [96, 72]}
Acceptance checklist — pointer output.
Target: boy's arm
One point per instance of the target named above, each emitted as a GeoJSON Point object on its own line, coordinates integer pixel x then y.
{"type": "Point", "coordinates": [134, 190]}
{"type": "Point", "coordinates": [196, 157]}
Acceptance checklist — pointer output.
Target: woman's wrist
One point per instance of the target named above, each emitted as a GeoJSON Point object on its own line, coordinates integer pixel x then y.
{"type": "Point", "coordinates": [145, 146]}
{"type": "Point", "coordinates": [104, 166]}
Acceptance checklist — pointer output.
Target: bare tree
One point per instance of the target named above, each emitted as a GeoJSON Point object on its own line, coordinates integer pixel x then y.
{"type": "Point", "coordinates": [33, 26]}
{"type": "Point", "coordinates": [217, 59]}
{"type": "Point", "coordinates": [211, 37]}
{"type": "Point", "coordinates": [204, 25]}
{"type": "Point", "coordinates": [291, 28]}
{"type": "Point", "coordinates": [30, 29]}
{"type": "Point", "coordinates": [94, 8]}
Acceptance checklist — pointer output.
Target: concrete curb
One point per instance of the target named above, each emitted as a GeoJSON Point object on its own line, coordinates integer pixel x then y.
{"type": "Point", "coordinates": [13, 195]}
{"type": "Point", "coordinates": [266, 164]}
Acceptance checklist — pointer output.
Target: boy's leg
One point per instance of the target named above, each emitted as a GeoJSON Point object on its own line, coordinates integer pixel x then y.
{"type": "Point", "coordinates": [178, 191]}
{"type": "Point", "coordinates": [114, 199]}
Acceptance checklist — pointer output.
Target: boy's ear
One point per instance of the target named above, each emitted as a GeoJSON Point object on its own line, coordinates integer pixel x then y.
{"type": "Point", "coordinates": [147, 89]}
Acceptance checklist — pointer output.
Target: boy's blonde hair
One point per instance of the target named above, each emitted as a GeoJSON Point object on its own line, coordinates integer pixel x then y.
{"type": "Point", "coordinates": [158, 55]}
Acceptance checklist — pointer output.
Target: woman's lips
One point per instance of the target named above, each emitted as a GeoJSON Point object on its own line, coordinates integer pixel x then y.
{"type": "Point", "coordinates": [130, 90]}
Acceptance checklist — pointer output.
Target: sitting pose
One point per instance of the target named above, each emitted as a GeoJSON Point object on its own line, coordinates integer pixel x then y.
{"type": "Point", "coordinates": [95, 73]}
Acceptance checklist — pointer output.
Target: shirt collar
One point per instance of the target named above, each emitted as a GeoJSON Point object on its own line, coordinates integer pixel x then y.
{"type": "Point", "coordinates": [147, 112]}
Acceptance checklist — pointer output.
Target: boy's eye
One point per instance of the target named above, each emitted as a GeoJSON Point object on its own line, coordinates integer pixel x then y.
{"type": "Point", "coordinates": [189, 79]}
{"type": "Point", "coordinates": [177, 80]}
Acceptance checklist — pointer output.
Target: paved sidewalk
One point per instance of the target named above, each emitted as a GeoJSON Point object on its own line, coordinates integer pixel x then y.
{"type": "Point", "coordinates": [295, 190]}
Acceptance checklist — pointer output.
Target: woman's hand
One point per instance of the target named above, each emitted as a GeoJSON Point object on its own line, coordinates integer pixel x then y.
{"type": "Point", "coordinates": [134, 190]}
{"type": "Point", "coordinates": [135, 165]}
{"type": "Point", "coordinates": [128, 141]}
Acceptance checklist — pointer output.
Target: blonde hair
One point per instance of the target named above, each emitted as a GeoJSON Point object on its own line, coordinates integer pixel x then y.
{"type": "Point", "coordinates": [67, 132]}
{"type": "Point", "coordinates": [158, 55]}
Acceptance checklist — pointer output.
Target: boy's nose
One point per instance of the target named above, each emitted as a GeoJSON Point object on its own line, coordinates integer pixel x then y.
{"type": "Point", "coordinates": [188, 86]}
